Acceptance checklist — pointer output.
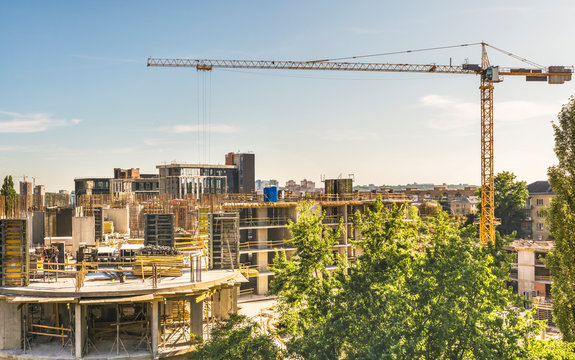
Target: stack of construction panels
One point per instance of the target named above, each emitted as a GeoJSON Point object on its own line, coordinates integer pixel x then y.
{"type": "Point", "coordinates": [165, 265]}
{"type": "Point", "coordinates": [108, 227]}
{"type": "Point", "coordinates": [13, 253]}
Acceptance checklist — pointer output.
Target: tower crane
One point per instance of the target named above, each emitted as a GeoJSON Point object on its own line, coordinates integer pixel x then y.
{"type": "Point", "coordinates": [489, 75]}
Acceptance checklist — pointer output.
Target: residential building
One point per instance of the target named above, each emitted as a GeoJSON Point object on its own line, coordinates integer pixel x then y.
{"type": "Point", "coordinates": [261, 184]}
{"type": "Point", "coordinates": [246, 176]}
{"type": "Point", "coordinates": [540, 195]}
{"type": "Point", "coordinates": [92, 186]}
{"type": "Point", "coordinates": [39, 196]}
{"type": "Point", "coordinates": [132, 181]}
{"type": "Point", "coordinates": [26, 188]}
{"type": "Point", "coordinates": [464, 205]}
{"type": "Point", "coordinates": [196, 179]}
{"type": "Point", "coordinates": [304, 186]}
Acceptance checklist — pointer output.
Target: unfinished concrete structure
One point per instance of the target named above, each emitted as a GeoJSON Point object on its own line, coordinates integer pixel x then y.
{"type": "Point", "coordinates": [107, 318]}
{"type": "Point", "coordinates": [111, 301]}
{"type": "Point", "coordinates": [530, 277]}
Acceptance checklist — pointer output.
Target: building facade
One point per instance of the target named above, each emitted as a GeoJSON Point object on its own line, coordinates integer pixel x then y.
{"type": "Point", "coordinates": [540, 195]}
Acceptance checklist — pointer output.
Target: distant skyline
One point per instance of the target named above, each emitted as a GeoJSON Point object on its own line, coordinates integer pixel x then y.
{"type": "Point", "coordinates": [77, 100]}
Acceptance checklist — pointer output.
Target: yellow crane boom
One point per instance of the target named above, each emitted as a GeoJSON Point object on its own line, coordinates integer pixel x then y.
{"type": "Point", "coordinates": [488, 75]}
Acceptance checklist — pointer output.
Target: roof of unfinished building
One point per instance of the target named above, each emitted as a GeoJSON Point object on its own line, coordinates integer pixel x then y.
{"type": "Point", "coordinates": [531, 245]}
{"type": "Point", "coordinates": [99, 287]}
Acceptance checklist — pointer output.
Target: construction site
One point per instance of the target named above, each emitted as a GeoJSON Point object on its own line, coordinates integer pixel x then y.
{"type": "Point", "coordinates": [144, 265]}
{"type": "Point", "coordinates": [146, 276]}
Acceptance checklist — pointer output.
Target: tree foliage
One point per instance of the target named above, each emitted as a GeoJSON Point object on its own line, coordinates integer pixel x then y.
{"type": "Point", "coordinates": [509, 196]}
{"type": "Point", "coordinates": [415, 291]}
{"type": "Point", "coordinates": [238, 338]}
{"type": "Point", "coordinates": [9, 194]}
{"type": "Point", "coordinates": [8, 187]}
{"type": "Point", "coordinates": [561, 215]}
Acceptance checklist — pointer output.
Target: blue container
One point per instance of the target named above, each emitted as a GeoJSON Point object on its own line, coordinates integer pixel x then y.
{"type": "Point", "coordinates": [270, 194]}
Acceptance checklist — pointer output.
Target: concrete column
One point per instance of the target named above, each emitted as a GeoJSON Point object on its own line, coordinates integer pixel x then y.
{"type": "Point", "coordinates": [78, 331]}
{"type": "Point", "coordinates": [235, 295]}
{"type": "Point", "coordinates": [525, 271]}
{"type": "Point", "coordinates": [155, 325]}
{"type": "Point", "coordinates": [262, 216]}
{"type": "Point", "coordinates": [10, 326]}
{"type": "Point", "coordinates": [262, 238]}
{"type": "Point", "coordinates": [262, 265]}
{"type": "Point", "coordinates": [226, 302]}
{"type": "Point", "coordinates": [197, 317]}
{"type": "Point", "coordinates": [217, 306]}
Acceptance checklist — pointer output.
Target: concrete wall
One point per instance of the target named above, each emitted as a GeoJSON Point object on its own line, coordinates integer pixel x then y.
{"type": "Point", "coordinates": [525, 271]}
{"type": "Point", "coordinates": [58, 221]}
{"type": "Point", "coordinates": [83, 231]}
{"type": "Point", "coordinates": [120, 218]}
{"type": "Point", "coordinates": [36, 228]}
{"type": "Point", "coordinates": [10, 326]}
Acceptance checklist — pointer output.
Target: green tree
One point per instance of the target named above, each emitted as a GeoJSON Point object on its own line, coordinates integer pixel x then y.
{"type": "Point", "coordinates": [8, 187]}
{"type": "Point", "coordinates": [561, 216]}
{"type": "Point", "coordinates": [417, 290]}
{"type": "Point", "coordinates": [549, 350]}
{"type": "Point", "coordinates": [238, 338]}
{"type": "Point", "coordinates": [9, 194]}
{"type": "Point", "coordinates": [304, 281]}
{"type": "Point", "coordinates": [510, 197]}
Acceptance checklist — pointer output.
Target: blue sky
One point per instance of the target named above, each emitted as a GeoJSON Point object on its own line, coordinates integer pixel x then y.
{"type": "Point", "coordinates": [76, 97]}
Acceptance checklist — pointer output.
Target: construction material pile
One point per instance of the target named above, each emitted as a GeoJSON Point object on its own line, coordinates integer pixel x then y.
{"type": "Point", "coordinates": [154, 260]}
{"type": "Point", "coordinates": [159, 250]}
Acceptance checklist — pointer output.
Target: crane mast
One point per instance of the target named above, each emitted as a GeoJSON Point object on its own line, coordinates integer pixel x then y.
{"type": "Point", "coordinates": [488, 75]}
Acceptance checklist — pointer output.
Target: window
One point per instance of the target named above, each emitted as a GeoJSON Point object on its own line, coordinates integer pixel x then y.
{"type": "Point", "coordinates": [539, 226]}
{"type": "Point", "coordinates": [539, 214]}
{"type": "Point", "coordinates": [539, 202]}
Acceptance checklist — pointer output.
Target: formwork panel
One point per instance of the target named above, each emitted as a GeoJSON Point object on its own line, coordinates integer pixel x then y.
{"type": "Point", "coordinates": [159, 230]}
{"type": "Point", "coordinates": [224, 244]}
{"type": "Point", "coordinates": [13, 253]}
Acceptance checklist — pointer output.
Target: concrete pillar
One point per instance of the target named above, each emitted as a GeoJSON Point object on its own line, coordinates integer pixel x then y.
{"type": "Point", "coordinates": [262, 238]}
{"type": "Point", "coordinates": [78, 331]}
{"type": "Point", "coordinates": [262, 216]}
{"type": "Point", "coordinates": [226, 302]}
{"type": "Point", "coordinates": [155, 324]}
{"type": "Point", "coordinates": [525, 271]}
{"type": "Point", "coordinates": [197, 317]}
{"type": "Point", "coordinates": [262, 265]}
{"type": "Point", "coordinates": [10, 326]}
{"type": "Point", "coordinates": [235, 295]}
{"type": "Point", "coordinates": [217, 306]}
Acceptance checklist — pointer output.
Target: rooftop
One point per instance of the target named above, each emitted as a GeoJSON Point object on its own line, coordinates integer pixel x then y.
{"type": "Point", "coordinates": [540, 187]}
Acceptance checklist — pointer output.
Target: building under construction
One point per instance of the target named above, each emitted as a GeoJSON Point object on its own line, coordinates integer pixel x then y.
{"type": "Point", "coordinates": [142, 275]}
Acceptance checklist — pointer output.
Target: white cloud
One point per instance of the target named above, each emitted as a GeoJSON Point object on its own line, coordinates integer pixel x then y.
{"type": "Point", "coordinates": [11, 122]}
{"type": "Point", "coordinates": [448, 113]}
{"type": "Point", "coordinates": [182, 129]}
